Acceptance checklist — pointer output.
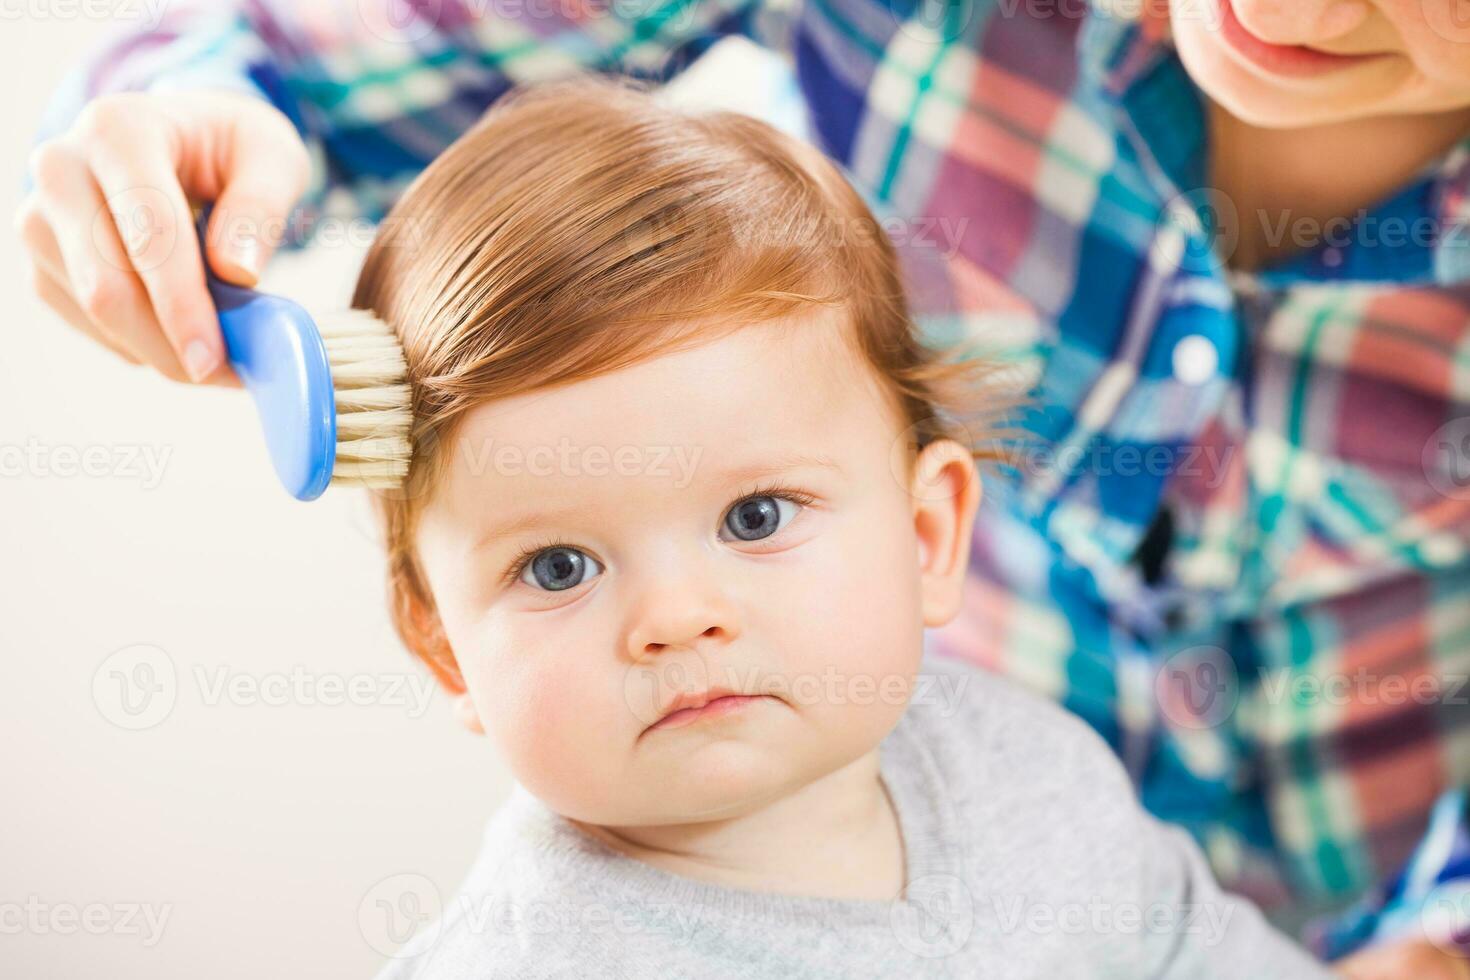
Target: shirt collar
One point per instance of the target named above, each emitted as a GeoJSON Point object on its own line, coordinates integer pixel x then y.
{"type": "Point", "coordinates": [1123, 39]}
{"type": "Point", "coordinates": [1131, 61]}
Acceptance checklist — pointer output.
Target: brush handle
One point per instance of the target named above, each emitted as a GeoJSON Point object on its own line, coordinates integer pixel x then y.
{"type": "Point", "coordinates": [277, 352]}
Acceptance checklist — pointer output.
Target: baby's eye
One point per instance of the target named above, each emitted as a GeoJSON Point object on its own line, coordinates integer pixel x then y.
{"type": "Point", "coordinates": [758, 517]}
{"type": "Point", "coordinates": [556, 569]}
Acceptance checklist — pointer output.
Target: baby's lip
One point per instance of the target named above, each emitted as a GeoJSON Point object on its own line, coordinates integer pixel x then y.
{"type": "Point", "coordinates": [685, 708]}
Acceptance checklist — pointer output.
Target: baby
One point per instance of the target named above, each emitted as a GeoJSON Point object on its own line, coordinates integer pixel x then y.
{"type": "Point", "coordinates": [687, 490]}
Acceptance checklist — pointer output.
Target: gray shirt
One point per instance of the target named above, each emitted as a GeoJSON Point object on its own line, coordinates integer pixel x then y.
{"type": "Point", "coordinates": [1026, 855]}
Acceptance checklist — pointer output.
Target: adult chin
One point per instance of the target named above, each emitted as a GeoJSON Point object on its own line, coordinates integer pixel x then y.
{"type": "Point", "coordinates": [1286, 96]}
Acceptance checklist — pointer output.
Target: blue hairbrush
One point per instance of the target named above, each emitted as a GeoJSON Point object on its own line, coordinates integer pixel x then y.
{"type": "Point", "coordinates": [332, 393]}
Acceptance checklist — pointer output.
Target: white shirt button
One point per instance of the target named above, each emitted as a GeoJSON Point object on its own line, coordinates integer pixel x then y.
{"type": "Point", "coordinates": [1195, 359]}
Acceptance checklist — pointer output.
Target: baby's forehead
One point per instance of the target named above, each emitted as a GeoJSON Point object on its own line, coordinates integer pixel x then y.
{"type": "Point", "coordinates": [766, 378]}
{"type": "Point", "coordinates": [794, 387]}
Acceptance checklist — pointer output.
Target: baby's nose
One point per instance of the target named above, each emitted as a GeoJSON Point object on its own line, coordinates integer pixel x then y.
{"type": "Point", "coordinates": [683, 623]}
{"type": "Point", "coordinates": [681, 606]}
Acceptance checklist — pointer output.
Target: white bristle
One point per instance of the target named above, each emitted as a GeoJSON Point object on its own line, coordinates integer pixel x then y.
{"type": "Point", "coordinates": [361, 425]}
{"type": "Point", "coordinates": [373, 397]}
{"type": "Point", "coordinates": [372, 369]}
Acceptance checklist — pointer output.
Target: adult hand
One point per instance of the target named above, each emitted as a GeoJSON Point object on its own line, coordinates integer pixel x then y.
{"type": "Point", "coordinates": [110, 233]}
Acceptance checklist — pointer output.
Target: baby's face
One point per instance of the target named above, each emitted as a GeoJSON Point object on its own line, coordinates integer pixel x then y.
{"type": "Point", "coordinates": [736, 517]}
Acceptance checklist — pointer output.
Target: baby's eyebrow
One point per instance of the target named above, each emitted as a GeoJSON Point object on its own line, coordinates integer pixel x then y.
{"type": "Point", "coordinates": [524, 522]}
{"type": "Point", "coordinates": [776, 464]}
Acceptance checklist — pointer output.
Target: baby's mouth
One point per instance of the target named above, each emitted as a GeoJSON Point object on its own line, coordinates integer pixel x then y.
{"type": "Point", "coordinates": [689, 710]}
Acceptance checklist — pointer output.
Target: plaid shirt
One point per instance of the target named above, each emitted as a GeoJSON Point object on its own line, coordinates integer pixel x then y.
{"type": "Point", "coordinates": [1236, 539]}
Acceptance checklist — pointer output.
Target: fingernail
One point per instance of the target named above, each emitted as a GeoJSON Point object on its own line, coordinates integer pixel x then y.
{"type": "Point", "coordinates": [199, 360]}
{"type": "Point", "coordinates": [247, 256]}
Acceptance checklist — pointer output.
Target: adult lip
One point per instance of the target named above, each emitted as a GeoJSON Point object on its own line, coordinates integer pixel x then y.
{"type": "Point", "coordinates": [1295, 60]}
{"type": "Point", "coordinates": [691, 706]}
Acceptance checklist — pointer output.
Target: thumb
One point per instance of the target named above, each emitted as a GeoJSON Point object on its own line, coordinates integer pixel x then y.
{"type": "Point", "coordinates": [247, 225]}
{"type": "Point", "coordinates": [265, 169]}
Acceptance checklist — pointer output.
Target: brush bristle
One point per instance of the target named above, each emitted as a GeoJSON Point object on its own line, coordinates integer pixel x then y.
{"type": "Point", "coordinates": [374, 410]}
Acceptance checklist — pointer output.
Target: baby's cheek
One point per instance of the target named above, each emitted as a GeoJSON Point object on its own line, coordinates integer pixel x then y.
{"type": "Point", "coordinates": [553, 723]}
{"type": "Point", "coordinates": [861, 631]}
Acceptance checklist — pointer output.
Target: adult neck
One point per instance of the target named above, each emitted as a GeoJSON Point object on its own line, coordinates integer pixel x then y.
{"type": "Point", "coordinates": [1287, 184]}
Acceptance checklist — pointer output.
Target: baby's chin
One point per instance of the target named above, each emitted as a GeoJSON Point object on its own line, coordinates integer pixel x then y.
{"type": "Point", "coordinates": [698, 779]}
{"type": "Point", "coordinates": [714, 781]}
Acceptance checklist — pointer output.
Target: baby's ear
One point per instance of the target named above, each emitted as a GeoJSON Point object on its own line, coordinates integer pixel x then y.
{"type": "Point", "coordinates": [945, 489]}
{"type": "Point", "coordinates": [469, 717]}
{"type": "Point", "coordinates": [427, 641]}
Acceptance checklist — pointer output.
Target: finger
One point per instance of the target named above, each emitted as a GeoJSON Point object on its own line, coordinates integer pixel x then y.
{"type": "Point", "coordinates": [49, 279]}
{"type": "Point", "coordinates": [241, 234]}
{"type": "Point", "coordinates": [256, 172]}
{"type": "Point", "coordinates": [155, 225]}
{"type": "Point", "coordinates": [35, 234]}
{"type": "Point", "coordinates": [98, 272]}
{"type": "Point", "coordinates": [54, 295]}
{"type": "Point", "coordinates": [224, 376]}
